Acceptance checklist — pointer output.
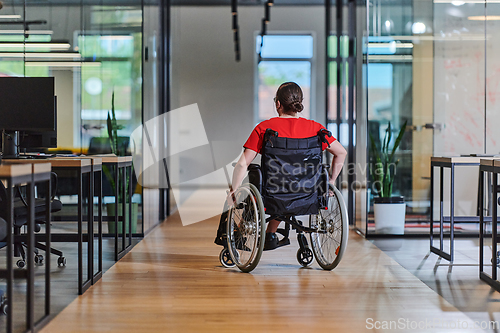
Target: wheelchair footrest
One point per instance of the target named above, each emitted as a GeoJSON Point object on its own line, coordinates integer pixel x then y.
{"type": "Point", "coordinates": [272, 245]}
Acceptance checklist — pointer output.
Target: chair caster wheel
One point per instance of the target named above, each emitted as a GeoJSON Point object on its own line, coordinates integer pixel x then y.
{"type": "Point", "coordinates": [3, 303]}
{"type": "Point", "coordinates": [304, 256]}
{"type": "Point", "coordinates": [39, 259]}
{"type": "Point", "coordinates": [21, 263]}
{"type": "Point", "coordinates": [61, 261]}
{"type": "Point", "coordinates": [225, 258]}
{"type": "Point", "coordinates": [4, 308]}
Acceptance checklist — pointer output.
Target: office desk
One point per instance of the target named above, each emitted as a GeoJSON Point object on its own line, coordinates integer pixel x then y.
{"type": "Point", "coordinates": [16, 175]}
{"type": "Point", "coordinates": [79, 167]}
{"type": "Point", "coordinates": [492, 166]}
{"type": "Point", "coordinates": [451, 163]}
{"type": "Point", "coordinates": [122, 165]}
{"type": "Point", "coordinates": [95, 187]}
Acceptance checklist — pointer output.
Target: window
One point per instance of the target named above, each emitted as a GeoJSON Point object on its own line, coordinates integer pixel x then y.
{"type": "Point", "coordinates": [283, 58]}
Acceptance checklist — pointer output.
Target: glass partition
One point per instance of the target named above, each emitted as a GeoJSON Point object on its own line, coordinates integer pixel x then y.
{"type": "Point", "coordinates": [431, 64]}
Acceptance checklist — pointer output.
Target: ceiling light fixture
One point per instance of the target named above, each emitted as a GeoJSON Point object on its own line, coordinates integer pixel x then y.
{"type": "Point", "coordinates": [29, 32]}
{"type": "Point", "coordinates": [116, 37]}
{"type": "Point", "coordinates": [53, 55]}
{"type": "Point", "coordinates": [267, 12]}
{"type": "Point", "coordinates": [53, 45]}
{"type": "Point", "coordinates": [10, 17]}
{"type": "Point", "coordinates": [462, 2]}
{"type": "Point", "coordinates": [61, 64]}
{"type": "Point", "coordinates": [235, 28]}
{"type": "Point", "coordinates": [484, 18]}
{"type": "Point", "coordinates": [391, 44]}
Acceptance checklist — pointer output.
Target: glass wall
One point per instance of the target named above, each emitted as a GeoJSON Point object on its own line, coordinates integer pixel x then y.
{"type": "Point", "coordinates": [431, 64]}
{"type": "Point", "coordinates": [93, 52]}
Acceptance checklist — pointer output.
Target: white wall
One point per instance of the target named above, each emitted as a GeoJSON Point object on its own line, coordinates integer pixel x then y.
{"type": "Point", "coordinates": [204, 70]}
{"type": "Point", "coordinates": [459, 75]}
{"type": "Point", "coordinates": [65, 114]}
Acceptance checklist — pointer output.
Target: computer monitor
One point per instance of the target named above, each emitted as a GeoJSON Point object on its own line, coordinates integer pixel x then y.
{"type": "Point", "coordinates": [34, 141]}
{"type": "Point", "coordinates": [27, 106]}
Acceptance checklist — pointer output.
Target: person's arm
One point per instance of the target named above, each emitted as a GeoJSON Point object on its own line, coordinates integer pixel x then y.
{"type": "Point", "coordinates": [339, 154]}
{"type": "Point", "coordinates": [240, 169]}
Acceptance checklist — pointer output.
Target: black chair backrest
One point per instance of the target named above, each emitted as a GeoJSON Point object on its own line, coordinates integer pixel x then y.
{"type": "Point", "coordinates": [291, 174]}
{"type": "Point", "coordinates": [3, 201]}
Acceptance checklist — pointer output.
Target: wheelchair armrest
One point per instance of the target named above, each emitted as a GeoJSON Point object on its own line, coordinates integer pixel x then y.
{"type": "Point", "coordinates": [323, 185]}
{"type": "Point", "coordinates": [255, 176]}
{"type": "Point", "coordinates": [253, 166]}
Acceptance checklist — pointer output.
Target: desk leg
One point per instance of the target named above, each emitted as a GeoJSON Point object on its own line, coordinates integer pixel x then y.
{"type": "Point", "coordinates": [441, 213]}
{"type": "Point", "coordinates": [89, 188]}
{"type": "Point", "coordinates": [10, 252]}
{"type": "Point", "coordinates": [124, 209]}
{"type": "Point", "coordinates": [431, 218]}
{"type": "Point", "coordinates": [30, 279]}
{"type": "Point", "coordinates": [48, 219]}
{"type": "Point", "coordinates": [80, 233]}
{"type": "Point", "coordinates": [481, 221]}
{"type": "Point", "coordinates": [452, 211]}
{"type": "Point", "coordinates": [130, 207]}
{"type": "Point", "coordinates": [90, 229]}
{"type": "Point", "coordinates": [98, 186]}
{"type": "Point", "coordinates": [494, 221]}
{"type": "Point", "coordinates": [99, 223]}
{"type": "Point", "coordinates": [117, 189]}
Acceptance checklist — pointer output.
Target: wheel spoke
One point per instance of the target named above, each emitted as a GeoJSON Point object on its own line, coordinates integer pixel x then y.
{"type": "Point", "coordinates": [327, 243]}
{"type": "Point", "coordinates": [245, 228]}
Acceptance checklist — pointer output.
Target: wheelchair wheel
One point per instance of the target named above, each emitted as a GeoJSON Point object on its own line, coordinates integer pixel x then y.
{"type": "Point", "coordinates": [245, 228]}
{"type": "Point", "coordinates": [330, 241]}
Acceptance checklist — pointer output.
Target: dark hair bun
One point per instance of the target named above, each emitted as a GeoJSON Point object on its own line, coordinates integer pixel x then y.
{"type": "Point", "coordinates": [297, 106]}
{"type": "Point", "coordinates": [290, 96]}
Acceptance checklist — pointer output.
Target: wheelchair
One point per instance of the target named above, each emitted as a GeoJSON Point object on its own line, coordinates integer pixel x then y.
{"type": "Point", "coordinates": [303, 190]}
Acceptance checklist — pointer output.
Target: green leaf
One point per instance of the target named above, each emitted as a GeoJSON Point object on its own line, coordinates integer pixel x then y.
{"type": "Point", "coordinates": [398, 139]}
{"type": "Point", "coordinates": [389, 133]}
{"type": "Point", "coordinates": [384, 171]}
{"type": "Point", "coordinates": [109, 123]}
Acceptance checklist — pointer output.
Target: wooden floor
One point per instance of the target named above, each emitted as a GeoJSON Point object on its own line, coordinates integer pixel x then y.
{"type": "Point", "coordinates": [172, 282]}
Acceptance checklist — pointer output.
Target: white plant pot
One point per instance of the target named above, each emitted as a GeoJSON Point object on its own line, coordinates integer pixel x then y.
{"type": "Point", "coordinates": [390, 218]}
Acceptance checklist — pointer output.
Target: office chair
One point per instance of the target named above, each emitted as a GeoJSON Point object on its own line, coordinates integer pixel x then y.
{"type": "Point", "coordinates": [3, 243]}
{"type": "Point", "coordinates": [21, 218]}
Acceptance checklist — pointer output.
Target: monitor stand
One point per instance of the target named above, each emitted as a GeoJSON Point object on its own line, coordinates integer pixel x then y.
{"type": "Point", "coordinates": [10, 144]}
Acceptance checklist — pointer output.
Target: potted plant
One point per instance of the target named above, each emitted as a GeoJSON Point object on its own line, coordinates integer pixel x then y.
{"type": "Point", "coordinates": [389, 210]}
{"type": "Point", "coordinates": [119, 150]}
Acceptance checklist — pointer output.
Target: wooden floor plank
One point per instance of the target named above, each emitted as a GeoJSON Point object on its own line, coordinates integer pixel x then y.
{"type": "Point", "coordinates": [172, 282]}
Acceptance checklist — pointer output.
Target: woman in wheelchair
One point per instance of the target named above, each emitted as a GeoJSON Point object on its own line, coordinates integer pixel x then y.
{"type": "Point", "coordinates": [292, 181]}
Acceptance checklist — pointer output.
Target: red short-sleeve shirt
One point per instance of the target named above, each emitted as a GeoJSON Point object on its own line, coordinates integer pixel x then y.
{"type": "Point", "coordinates": [297, 128]}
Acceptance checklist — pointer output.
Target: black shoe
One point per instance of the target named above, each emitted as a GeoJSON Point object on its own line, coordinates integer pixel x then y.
{"type": "Point", "coordinates": [271, 241]}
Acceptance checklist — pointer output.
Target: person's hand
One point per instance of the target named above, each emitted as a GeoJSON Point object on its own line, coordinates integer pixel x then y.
{"type": "Point", "coordinates": [332, 183]}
